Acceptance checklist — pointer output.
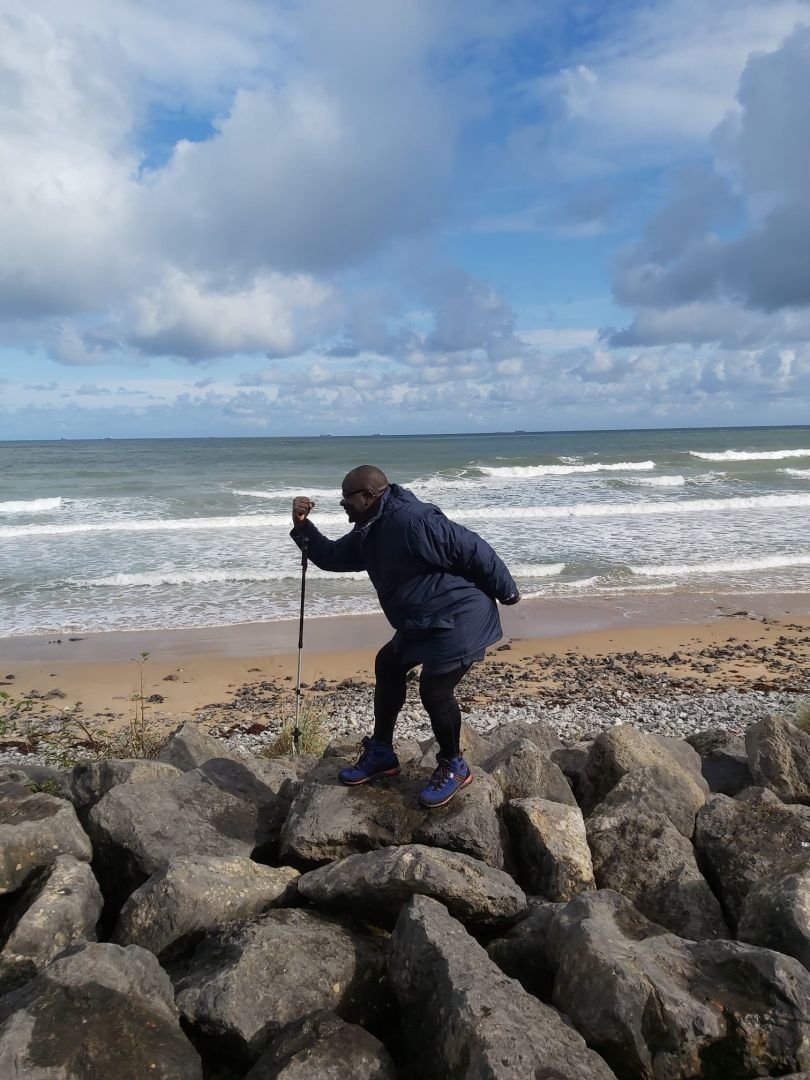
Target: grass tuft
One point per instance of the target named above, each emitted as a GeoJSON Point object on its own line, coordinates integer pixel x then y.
{"type": "Point", "coordinates": [312, 724]}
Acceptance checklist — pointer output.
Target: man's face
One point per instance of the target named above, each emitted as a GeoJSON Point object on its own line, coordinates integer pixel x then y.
{"type": "Point", "coordinates": [355, 502]}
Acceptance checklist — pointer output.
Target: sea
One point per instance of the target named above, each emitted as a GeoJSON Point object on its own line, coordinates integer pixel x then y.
{"type": "Point", "coordinates": [112, 534]}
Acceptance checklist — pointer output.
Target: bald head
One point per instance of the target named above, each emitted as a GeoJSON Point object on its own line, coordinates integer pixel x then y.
{"type": "Point", "coordinates": [366, 478]}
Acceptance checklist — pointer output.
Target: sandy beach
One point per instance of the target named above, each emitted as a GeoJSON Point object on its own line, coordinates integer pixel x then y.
{"type": "Point", "coordinates": [242, 677]}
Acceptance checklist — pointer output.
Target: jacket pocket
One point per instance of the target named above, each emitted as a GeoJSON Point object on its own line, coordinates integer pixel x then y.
{"type": "Point", "coordinates": [430, 622]}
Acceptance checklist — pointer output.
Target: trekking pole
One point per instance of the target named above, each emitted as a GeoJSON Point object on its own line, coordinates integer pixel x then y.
{"type": "Point", "coordinates": [296, 729]}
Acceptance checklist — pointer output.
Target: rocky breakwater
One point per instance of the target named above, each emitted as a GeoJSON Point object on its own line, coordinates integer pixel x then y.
{"type": "Point", "coordinates": [634, 906]}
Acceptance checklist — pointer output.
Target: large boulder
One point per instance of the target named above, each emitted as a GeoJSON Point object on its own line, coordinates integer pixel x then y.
{"type": "Point", "coordinates": [521, 952]}
{"type": "Point", "coordinates": [465, 1018]}
{"type": "Point", "coordinates": [779, 758]}
{"type": "Point", "coordinates": [245, 983]}
{"type": "Point", "coordinates": [95, 1012]}
{"type": "Point", "coordinates": [59, 906]}
{"type": "Point", "coordinates": [640, 854]}
{"type": "Point", "coordinates": [651, 788]}
{"type": "Point", "coordinates": [329, 821]}
{"type": "Point", "coordinates": [375, 885]}
{"type": "Point", "coordinates": [321, 1046]}
{"type": "Point", "coordinates": [538, 733]}
{"type": "Point", "coordinates": [622, 749]}
{"type": "Point", "coordinates": [551, 847]}
{"type": "Point", "coordinates": [220, 808]}
{"type": "Point", "coordinates": [34, 831]}
{"type": "Point", "coordinates": [88, 781]}
{"type": "Point", "coordinates": [188, 747]}
{"type": "Point", "coordinates": [655, 1005]}
{"type": "Point", "coordinates": [776, 913]}
{"type": "Point", "coordinates": [723, 760]}
{"type": "Point", "coordinates": [743, 841]}
{"type": "Point", "coordinates": [194, 894]}
{"type": "Point", "coordinates": [523, 771]}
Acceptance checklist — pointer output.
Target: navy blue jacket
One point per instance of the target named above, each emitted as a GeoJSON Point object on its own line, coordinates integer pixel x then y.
{"type": "Point", "coordinates": [437, 582]}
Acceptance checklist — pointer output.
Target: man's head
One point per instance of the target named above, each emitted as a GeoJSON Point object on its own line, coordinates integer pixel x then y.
{"type": "Point", "coordinates": [363, 488]}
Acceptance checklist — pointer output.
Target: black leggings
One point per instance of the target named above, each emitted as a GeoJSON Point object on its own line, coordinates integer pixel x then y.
{"type": "Point", "coordinates": [436, 692]}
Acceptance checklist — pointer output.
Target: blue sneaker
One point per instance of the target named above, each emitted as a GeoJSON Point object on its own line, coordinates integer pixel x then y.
{"type": "Point", "coordinates": [376, 759]}
{"type": "Point", "coordinates": [448, 778]}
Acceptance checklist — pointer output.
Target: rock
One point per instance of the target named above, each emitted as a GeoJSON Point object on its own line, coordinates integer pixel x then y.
{"type": "Point", "coordinates": [523, 771]}
{"type": "Point", "coordinates": [723, 761]}
{"type": "Point", "coordinates": [571, 760]}
{"type": "Point", "coordinates": [624, 748]}
{"type": "Point", "coordinates": [776, 914]}
{"type": "Point", "coordinates": [743, 841]}
{"type": "Point", "coordinates": [779, 758]}
{"type": "Point", "coordinates": [329, 821]}
{"type": "Point", "coordinates": [520, 953]}
{"type": "Point", "coordinates": [88, 781]}
{"type": "Point", "coordinates": [542, 736]}
{"type": "Point", "coordinates": [474, 747]}
{"type": "Point", "coordinates": [34, 831]}
{"type": "Point", "coordinates": [194, 894]}
{"type": "Point", "coordinates": [246, 983]}
{"type": "Point", "coordinates": [187, 748]}
{"type": "Point", "coordinates": [95, 1012]}
{"type": "Point", "coordinates": [640, 854]}
{"type": "Point", "coordinates": [465, 1018]}
{"type": "Point", "coordinates": [670, 792]}
{"type": "Point", "coordinates": [551, 847]}
{"type": "Point", "coordinates": [59, 906]}
{"type": "Point", "coordinates": [655, 1005]}
{"type": "Point", "coordinates": [218, 809]}
{"type": "Point", "coordinates": [26, 775]}
{"type": "Point", "coordinates": [375, 885]}
{"type": "Point", "coordinates": [321, 1046]}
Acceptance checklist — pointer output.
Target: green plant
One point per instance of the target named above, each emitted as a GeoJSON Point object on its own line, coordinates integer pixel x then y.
{"type": "Point", "coordinates": [312, 724]}
{"type": "Point", "coordinates": [48, 787]}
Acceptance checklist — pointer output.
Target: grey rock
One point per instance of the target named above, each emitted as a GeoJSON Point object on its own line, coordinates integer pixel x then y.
{"type": "Point", "coordinates": [551, 847]}
{"type": "Point", "coordinates": [60, 906]}
{"type": "Point", "coordinates": [743, 841]}
{"type": "Point", "coordinates": [523, 771]}
{"type": "Point", "coordinates": [245, 983]}
{"type": "Point", "coordinates": [321, 1046]}
{"type": "Point", "coordinates": [571, 760]}
{"type": "Point", "coordinates": [375, 885]}
{"type": "Point", "coordinates": [640, 854]}
{"type": "Point", "coordinates": [671, 792]}
{"type": "Point", "coordinates": [465, 1018]}
{"type": "Point", "coordinates": [88, 781]}
{"type": "Point", "coordinates": [779, 757]}
{"type": "Point", "coordinates": [187, 748]}
{"type": "Point", "coordinates": [624, 748]}
{"type": "Point", "coordinates": [543, 737]}
{"type": "Point", "coordinates": [329, 821]}
{"type": "Point", "coordinates": [25, 773]}
{"type": "Point", "coordinates": [194, 894]}
{"type": "Point", "coordinates": [95, 1012]}
{"type": "Point", "coordinates": [521, 952]}
{"type": "Point", "coordinates": [655, 1005]}
{"type": "Point", "coordinates": [219, 809]}
{"type": "Point", "coordinates": [35, 829]}
{"type": "Point", "coordinates": [776, 914]}
{"type": "Point", "coordinates": [723, 761]}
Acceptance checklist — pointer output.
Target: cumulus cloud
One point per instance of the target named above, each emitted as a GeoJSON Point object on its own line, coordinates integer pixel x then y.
{"type": "Point", "coordinates": [725, 258]}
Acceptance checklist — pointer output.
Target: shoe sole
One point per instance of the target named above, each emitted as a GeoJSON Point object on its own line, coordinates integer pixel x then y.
{"type": "Point", "coordinates": [436, 805]}
{"type": "Point", "coordinates": [368, 779]}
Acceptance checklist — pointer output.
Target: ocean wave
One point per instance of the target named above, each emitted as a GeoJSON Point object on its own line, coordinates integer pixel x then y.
{"type": "Point", "coordinates": [202, 577]}
{"type": "Point", "coordinates": [289, 493]}
{"type": "Point", "coordinates": [640, 509]}
{"type": "Point", "coordinates": [747, 455]}
{"type": "Point", "coordinates": [30, 506]}
{"type": "Point", "coordinates": [656, 481]}
{"type": "Point", "coordinates": [521, 472]}
{"type": "Point", "coordinates": [802, 474]}
{"type": "Point", "coordinates": [722, 566]}
{"type": "Point", "coordinates": [536, 570]}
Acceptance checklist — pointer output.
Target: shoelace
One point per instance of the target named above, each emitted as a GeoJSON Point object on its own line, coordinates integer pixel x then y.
{"type": "Point", "coordinates": [440, 777]}
{"type": "Point", "coordinates": [364, 752]}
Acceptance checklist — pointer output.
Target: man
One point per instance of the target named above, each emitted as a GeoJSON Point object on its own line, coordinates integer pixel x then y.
{"type": "Point", "coordinates": [437, 584]}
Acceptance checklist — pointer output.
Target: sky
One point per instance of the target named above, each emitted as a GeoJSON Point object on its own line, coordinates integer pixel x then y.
{"type": "Point", "coordinates": [271, 217]}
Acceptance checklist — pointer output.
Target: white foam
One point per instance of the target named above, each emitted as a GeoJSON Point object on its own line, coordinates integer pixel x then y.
{"type": "Point", "coordinates": [519, 472]}
{"type": "Point", "coordinates": [535, 570]}
{"type": "Point", "coordinates": [728, 566]}
{"type": "Point", "coordinates": [150, 525]}
{"type": "Point", "coordinates": [30, 506]}
{"type": "Point", "coordinates": [802, 474]}
{"type": "Point", "coordinates": [642, 509]}
{"type": "Point", "coordinates": [204, 577]}
{"type": "Point", "coordinates": [656, 481]}
{"type": "Point", "coordinates": [289, 493]}
{"type": "Point", "coordinates": [748, 455]}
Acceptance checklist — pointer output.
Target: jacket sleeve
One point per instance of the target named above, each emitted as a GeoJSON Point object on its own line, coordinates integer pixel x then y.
{"type": "Point", "coordinates": [343, 554]}
{"type": "Point", "coordinates": [448, 546]}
